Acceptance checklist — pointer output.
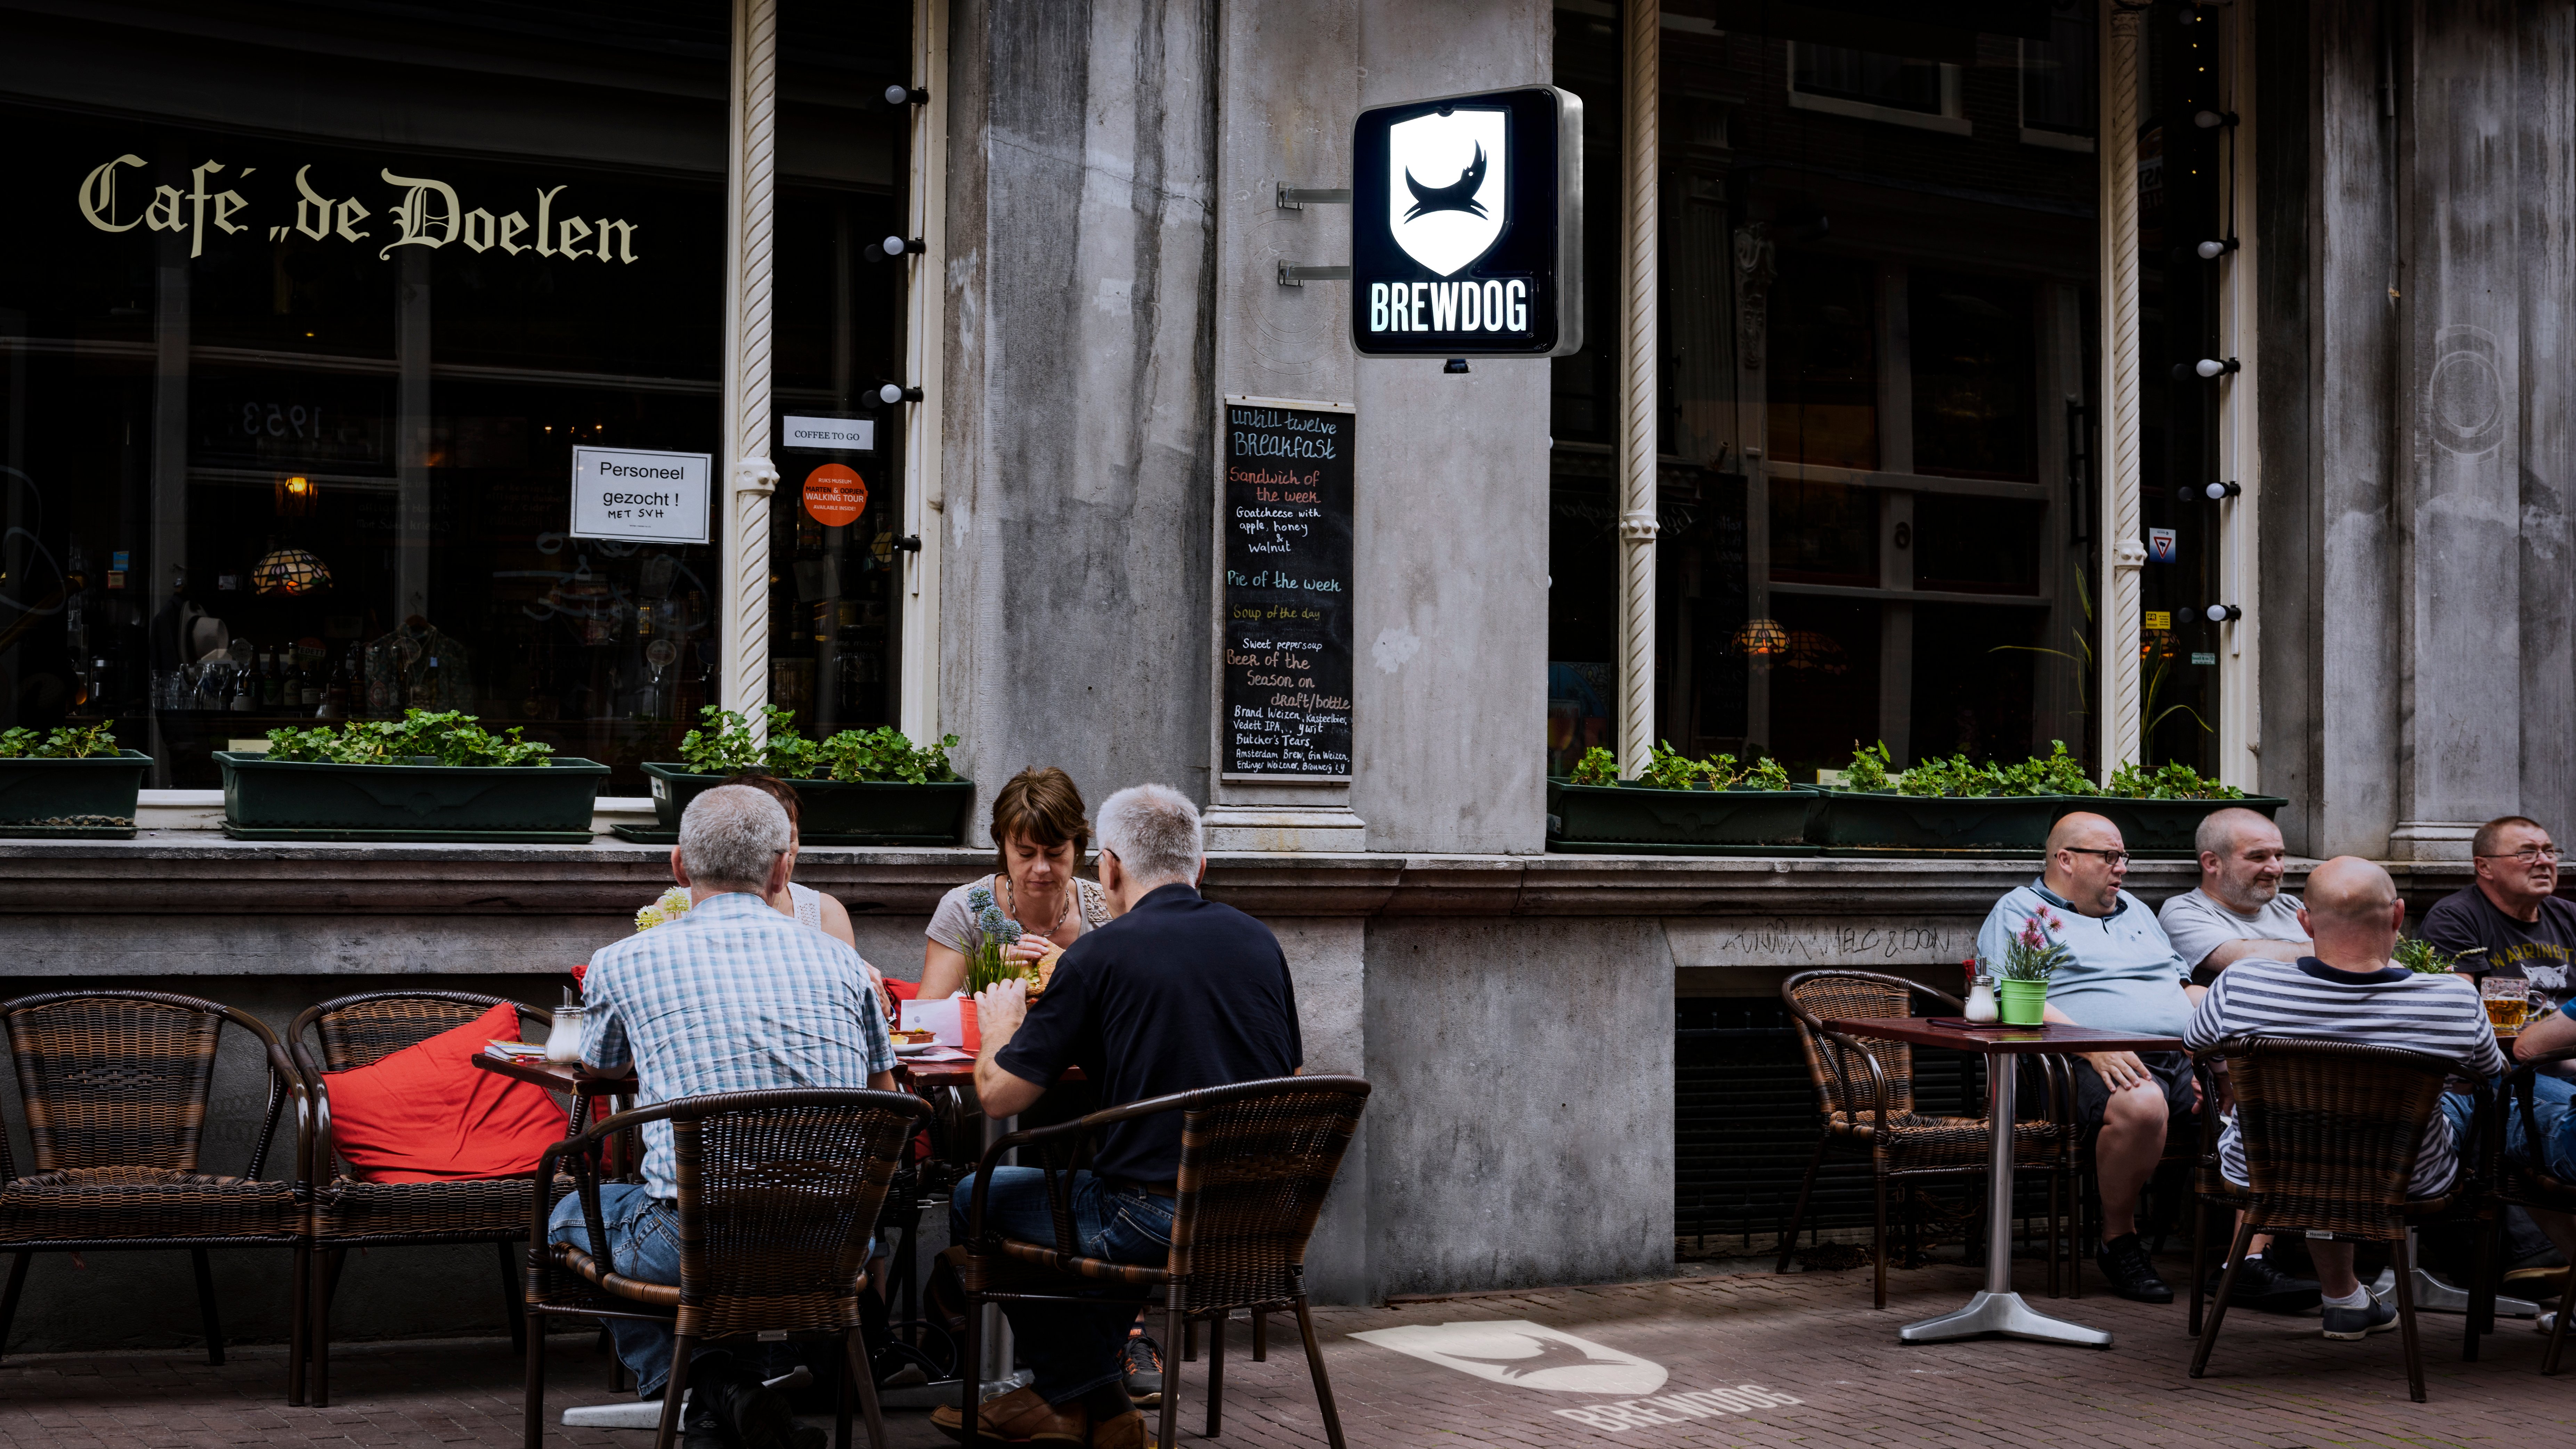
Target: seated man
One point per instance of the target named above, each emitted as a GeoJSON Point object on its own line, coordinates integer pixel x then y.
{"type": "Point", "coordinates": [2349, 989]}
{"type": "Point", "coordinates": [2125, 976]}
{"type": "Point", "coordinates": [2238, 911]}
{"type": "Point", "coordinates": [2510, 917]}
{"type": "Point", "coordinates": [1176, 994]}
{"type": "Point", "coordinates": [732, 997]}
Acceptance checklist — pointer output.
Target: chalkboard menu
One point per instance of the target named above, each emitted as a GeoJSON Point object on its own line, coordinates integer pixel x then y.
{"type": "Point", "coordinates": [1286, 511]}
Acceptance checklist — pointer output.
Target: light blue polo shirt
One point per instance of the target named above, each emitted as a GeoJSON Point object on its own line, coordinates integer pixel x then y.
{"type": "Point", "coordinates": [2125, 976]}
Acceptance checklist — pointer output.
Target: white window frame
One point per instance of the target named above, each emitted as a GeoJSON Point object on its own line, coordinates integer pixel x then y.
{"type": "Point", "coordinates": [2038, 135]}
{"type": "Point", "coordinates": [1949, 122]}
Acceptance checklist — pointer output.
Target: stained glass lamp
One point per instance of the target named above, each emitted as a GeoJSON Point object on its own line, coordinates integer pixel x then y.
{"type": "Point", "coordinates": [289, 571]}
{"type": "Point", "coordinates": [1762, 639]}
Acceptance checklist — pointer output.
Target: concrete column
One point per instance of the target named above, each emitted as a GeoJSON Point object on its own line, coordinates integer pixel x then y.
{"type": "Point", "coordinates": [1077, 438]}
{"type": "Point", "coordinates": [2468, 334]}
{"type": "Point", "coordinates": [2240, 656]}
{"type": "Point", "coordinates": [924, 350]}
{"type": "Point", "coordinates": [1451, 535]}
{"type": "Point", "coordinates": [2123, 554]}
{"type": "Point", "coordinates": [743, 469]}
{"type": "Point", "coordinates": [412, 510]}
{"type": "Point", "coordinates": [1639, 395]}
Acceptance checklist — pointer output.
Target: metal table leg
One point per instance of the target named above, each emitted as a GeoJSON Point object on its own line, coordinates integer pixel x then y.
{"type": "Point", "coordinates": [1996, 1309]}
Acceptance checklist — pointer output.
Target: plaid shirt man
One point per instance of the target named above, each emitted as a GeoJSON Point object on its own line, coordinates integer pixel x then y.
{"type": "Point", "coordinates": [732, 997]}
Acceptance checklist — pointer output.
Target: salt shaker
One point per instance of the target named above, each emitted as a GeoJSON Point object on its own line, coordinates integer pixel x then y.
{"type": "Point", "coordinates": [1981, 1001]}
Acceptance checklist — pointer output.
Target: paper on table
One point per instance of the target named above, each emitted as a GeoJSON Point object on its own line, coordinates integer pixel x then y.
{"type": "Point", "coordinates": [940, 1018]}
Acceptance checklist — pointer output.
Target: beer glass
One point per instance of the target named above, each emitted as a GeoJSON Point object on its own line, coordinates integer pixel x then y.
{"type": "Point", "coordinates": [2508, 1001]}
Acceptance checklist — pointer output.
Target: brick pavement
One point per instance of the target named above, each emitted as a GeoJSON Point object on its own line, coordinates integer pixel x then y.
{"type": "Point", "coordinates": [1811, 1338]}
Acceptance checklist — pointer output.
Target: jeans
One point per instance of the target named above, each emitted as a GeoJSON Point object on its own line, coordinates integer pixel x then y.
{"type": "Point", "coordinates": [644, 1242]}
{"type": "Point", "coordinates": [2553, 1109]}
{"type": "Point", "coordinates": [1072, 1349]}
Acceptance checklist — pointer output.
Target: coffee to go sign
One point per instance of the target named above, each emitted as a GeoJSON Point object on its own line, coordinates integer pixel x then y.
{"type": "Point", "coordinates": [1467, 226]}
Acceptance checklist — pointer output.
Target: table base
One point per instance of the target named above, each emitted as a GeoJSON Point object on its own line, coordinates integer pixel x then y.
{"type": "Point", "coordinates": [2432, 1295]}
{"type": "Point", "coordinates": [2005, 1314]}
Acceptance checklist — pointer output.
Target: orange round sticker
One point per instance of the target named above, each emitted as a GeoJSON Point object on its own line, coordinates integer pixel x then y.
{"type": "Point", "coordinates": [836, 495]}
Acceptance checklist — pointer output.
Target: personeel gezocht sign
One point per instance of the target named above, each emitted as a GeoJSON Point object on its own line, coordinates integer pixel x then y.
{"type": "Point", "coordinates": [1467, 226]}
{"type": "Point", "coordinates": [640, 497]}
{"type": "Point", "coordinates": [1285, 506]}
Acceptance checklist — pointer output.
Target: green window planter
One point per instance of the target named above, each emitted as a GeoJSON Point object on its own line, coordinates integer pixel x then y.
{"type": "Point", "coordinates": [834, 812]}
{"type": "Point", "coordinates": [90, 799]}
{"type": "Point", "coordinates": [2162, 829]}
{"type": "Point", "coordinates": [267, 799]}
{"type": "Point", "coordinates": [1634, 820]}
{"type": "Point", "coordinates": [1882, 822]}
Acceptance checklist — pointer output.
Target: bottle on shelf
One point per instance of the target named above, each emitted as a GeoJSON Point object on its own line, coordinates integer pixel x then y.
{"type": "Point", "coordinates": [271, 684]}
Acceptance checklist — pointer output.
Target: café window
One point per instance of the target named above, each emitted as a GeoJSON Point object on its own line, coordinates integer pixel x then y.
{"type": "Point", "coordinates": [1866, 83]}
{"type": "Point", "coordinates": [297, 366]}
{"type": "Point", "coordinates": [2058, 103]}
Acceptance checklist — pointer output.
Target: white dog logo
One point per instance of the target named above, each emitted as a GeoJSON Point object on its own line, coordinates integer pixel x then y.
{"type": "Point", "coordinates": [1523, 1353]}
{"type": "Point", "coordinates": [1446, 177]}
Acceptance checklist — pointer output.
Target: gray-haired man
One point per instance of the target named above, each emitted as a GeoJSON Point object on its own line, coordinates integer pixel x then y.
{"type": "Point", "coordinates": [1176, 994]}
{"type": "Point", "coordinates": [732, 997]}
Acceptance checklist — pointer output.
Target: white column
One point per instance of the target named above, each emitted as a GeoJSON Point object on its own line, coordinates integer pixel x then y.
{"type": "Point", "coordinates": [2123, 554]}
{"type": "Point", "coordinates": [925, 363]}
{"type": "Point", "coordinates": [2240, 700]}
{"type": "Point", "coordinates": [1638, 394]}
{"type": "Point", "coordinates": [751, 151]}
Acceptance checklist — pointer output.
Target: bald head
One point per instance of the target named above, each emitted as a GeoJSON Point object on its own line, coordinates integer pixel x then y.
{"type": "Point", "coordinates": [2222, 831]}
{"type": "Point", "coordinates": [2086, 863]}
{"type": "Point", "coordinates": [2352, 913]}
{"type": "Point", "coordinates": [2241, 858]}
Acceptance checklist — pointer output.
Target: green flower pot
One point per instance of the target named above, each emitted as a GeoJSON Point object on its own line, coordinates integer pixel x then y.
{"type": "Point", "coordinates": [836, 812]}
{"type": "Point", "coordinates": [2021, 1003]}
{"type": "Point", "coordinates": [81, 799]}
{"type": "Point", "coordinates": [267, 799]}
{"type": "Point", "coordinates": [1634, 819]}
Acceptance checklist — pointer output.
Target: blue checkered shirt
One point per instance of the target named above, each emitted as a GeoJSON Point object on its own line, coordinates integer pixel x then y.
{"type": "Point", "coordinates": [732, 997]}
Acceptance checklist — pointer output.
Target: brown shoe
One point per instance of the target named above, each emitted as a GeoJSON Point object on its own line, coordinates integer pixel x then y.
{"type": "Point", "coordinates": [1019, 1416]}
{"type": "Point", "coordinates": [1127, 1431]}
{"type": "Point", "coordinates": [2536, 1282]}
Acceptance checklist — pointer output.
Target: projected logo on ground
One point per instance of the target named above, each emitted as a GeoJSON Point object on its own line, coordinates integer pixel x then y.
{"type": "Point", "coordinates": [1532, 1356]}
{"type": "Point", "coordinates": [1526, 1354]}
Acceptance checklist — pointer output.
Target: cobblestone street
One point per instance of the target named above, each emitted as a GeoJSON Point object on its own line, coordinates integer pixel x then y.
{"type": "Point", "coordinates": [1727, 1360]}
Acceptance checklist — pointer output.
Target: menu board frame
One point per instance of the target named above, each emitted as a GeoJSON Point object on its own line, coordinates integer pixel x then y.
{"type": "Point", "coordinates": [1335, 632]}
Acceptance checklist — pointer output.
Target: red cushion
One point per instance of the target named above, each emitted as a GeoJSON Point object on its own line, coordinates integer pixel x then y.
{"type": "Point", "coordinates": [427, 1114]}
{"type": "Point", "coordinates": [902, 990]}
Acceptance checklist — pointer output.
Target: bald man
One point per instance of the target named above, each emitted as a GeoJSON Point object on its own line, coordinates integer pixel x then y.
{"type": "Point", "coordinates": [2125, 977]}
{"type": "Point", "coordinates": [2350, 990]}
{"type": "Point", "coordinates": [2238, 910]}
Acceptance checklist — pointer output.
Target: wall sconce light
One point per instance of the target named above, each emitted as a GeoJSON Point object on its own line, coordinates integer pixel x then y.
{"type": "Point", "coordinates": [296, 496]}
{"type": "Point", "coordinates": [2212, 491]}
{"type": "Point", "coordinates": [2207, 367]}
{"type": "Point", "coordinates": [2212, 250]}
{"type": "Point", "coordinates": [895, 246]}
{"type": "Point", "coordinates": [2223, 613]}
{"type": "Point", "coordinates": [2212, 120]}
{"type": "Point", "coordinates": [901, 95]}
{"type": "Point", "coordinates": [894, 392]}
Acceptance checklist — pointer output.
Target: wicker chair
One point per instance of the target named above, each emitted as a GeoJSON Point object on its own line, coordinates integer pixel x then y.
{"type": "Point", "coordinates": [1257, 1159]}
{"type": "Point", "coordinates": [2531, 1185]}
{"type": "Point", "coordinates": [115, 1085]}
{"type": "Point", "coordinates": [1865, 1089]}
{"type": "Point", "coordinates": [2330, 1131]}
{"type": "Point", "coordinates": [779, 1192]}
{"type": "Point", "coordinates": [342, 1212]}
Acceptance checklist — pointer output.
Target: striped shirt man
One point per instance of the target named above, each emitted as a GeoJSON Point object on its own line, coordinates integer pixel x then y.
{"type": "Point", "coordinates": [2439, 1015]}
{"type": "Point", "coordinates": [732, 997]}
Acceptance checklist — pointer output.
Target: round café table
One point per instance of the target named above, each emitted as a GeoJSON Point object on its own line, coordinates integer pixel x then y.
{"type": "Point", "coordinates": [1996, 1310]}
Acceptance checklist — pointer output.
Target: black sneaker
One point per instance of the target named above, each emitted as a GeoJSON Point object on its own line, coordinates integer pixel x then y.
{"type": "Point", "coordinates": [702, 1428]}
{"type": "Point", "coordinates": [2124, 1261]}
{"type": "Point", "coordinates": [1142, 1362]}
{"type": "Point", "coordinates": [760, 1416]}
{"type": "Point", "coordinates": [2267, 1289]}
{"type": "Point", "coordinates": [2369, 1318]}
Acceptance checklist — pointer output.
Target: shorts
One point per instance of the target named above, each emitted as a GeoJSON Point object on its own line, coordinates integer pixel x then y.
{"type": "Point", "coordinates": [2171, 1070]}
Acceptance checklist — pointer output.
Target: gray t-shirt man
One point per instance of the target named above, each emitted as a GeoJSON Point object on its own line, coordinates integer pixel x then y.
{"type": "Point", "coordinates": [2198, 923]}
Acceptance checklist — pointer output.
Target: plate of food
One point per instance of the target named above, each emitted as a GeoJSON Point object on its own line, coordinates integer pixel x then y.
{"type": "Point", "coordinates": [914, 1042]}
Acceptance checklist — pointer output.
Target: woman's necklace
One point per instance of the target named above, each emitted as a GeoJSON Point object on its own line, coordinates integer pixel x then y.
{"type": "Point", "coordinates": [1011, 891]}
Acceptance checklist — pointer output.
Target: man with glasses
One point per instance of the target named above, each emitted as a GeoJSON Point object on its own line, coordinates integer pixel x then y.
{"type": "Point", "coordinates": [2124, 976]}
{"type": "Point", "coordinates": [2512, 912]}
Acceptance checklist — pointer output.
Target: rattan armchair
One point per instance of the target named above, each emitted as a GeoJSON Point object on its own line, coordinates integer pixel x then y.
{"type": "Point", "coordinates": [342, 1212]}
{"type": "Point", "coordinates": [2330, 1131]}
{"type": "Point", "coordinates": [115, 1086]}
{"type": "Point", "coordinates": [1865, 1089]}
{"type": "Point", "coordinates": [779, 1192]}
{"type": "Point", "coordinates": [1257, 1159]}
{"type": "Point", "coordinates": [2528, 1184]}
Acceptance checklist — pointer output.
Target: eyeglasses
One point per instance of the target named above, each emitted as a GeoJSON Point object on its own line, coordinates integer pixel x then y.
{"type": "Point", "coordinates": [2528, 854]}
{"type": "Point", "coordinates": [2115, 857]}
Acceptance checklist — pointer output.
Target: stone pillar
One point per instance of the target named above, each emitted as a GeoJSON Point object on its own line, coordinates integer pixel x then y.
{"type": "Point", "coordinates": [2123, 552]}
{"type": "Point", "coordinates": [924, 345]}
{"type": "Point", "coordinates": [1077, 437]}
{"type": "Point", "coordinates": [751, 161]}
{"type": "Point", "coordinates": [2479, 368]}
{"type": "Point", "coordinates": [1640, 371]}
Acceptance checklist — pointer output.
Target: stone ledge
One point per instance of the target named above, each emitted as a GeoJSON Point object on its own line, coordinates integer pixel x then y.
{"type": "Point", "coordinates": [172, 872]}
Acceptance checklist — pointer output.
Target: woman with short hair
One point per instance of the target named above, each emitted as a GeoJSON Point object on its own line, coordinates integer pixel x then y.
{"type": "Point", "coordinates": [1039, 835]}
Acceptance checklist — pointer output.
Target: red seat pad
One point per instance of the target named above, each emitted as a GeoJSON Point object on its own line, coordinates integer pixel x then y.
{"type": "Point", "coordinates": [426, 1114]}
